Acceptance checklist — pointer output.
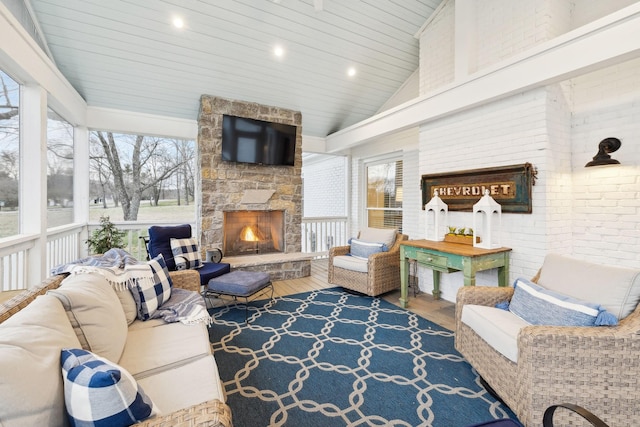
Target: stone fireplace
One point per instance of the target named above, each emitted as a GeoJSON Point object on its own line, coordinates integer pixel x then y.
{"type": "Point", "coordinates": [253, 232]}
{"type": "Point", "coordinates": [238, 187]}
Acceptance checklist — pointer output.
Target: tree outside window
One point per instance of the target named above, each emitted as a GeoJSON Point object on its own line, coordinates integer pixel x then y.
{"type": "Point", "coordinates": [9, 155]}
{"type": "Point", "coordinates": [134, 172]}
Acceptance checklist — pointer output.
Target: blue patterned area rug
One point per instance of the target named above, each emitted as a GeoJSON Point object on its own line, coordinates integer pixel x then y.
{"type": "Point", "coordinates": [331, 358]}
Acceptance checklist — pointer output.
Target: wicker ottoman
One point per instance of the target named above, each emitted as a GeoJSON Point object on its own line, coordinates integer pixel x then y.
{"type": "Point", "coordinates": [240, 284]}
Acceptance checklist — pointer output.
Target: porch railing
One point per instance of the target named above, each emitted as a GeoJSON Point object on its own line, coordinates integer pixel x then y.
{"type": "Point", "coordinates": [67, 243]}
{"type": "Point", "coordinates": [319, 234]}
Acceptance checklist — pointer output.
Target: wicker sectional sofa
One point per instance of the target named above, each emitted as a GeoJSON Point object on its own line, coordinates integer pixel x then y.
{"type": "Point", "coordinates": [172, 362]}
{"type": "Point", "coordinates": [596, 367]}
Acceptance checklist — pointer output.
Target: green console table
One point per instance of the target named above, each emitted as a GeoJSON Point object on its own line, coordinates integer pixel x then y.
{"type": "Point", "coordinates": [445, 257]}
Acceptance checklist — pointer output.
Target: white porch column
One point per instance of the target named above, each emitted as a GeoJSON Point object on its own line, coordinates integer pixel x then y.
{"type": "Point", "coordinates": [33, 178]}
{"type": "Point", "coordinates": [81, 180]}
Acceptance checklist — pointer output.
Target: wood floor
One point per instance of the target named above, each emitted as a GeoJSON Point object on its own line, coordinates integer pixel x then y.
{"type": "Point", "coordinates": [438, 311]}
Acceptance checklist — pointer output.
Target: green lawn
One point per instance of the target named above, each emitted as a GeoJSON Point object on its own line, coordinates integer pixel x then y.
{"type": "Point", "coordinates": [168, 210]}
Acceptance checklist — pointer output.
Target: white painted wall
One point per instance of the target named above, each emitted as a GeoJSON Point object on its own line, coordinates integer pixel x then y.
{"type": "Point", "coordinates": [324, 179]}
{"type": "Point", "coordinates": [588, 213]}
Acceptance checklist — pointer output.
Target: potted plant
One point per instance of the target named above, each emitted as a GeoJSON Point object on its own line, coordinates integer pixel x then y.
{"type": "Point", "coordinates": [460, 235]}
{"type": "Point", "coordinates": [105, 237]}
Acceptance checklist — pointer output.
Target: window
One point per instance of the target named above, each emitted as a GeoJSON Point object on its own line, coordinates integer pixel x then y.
{"type": "Point", "coordinates": [59, 170]}
{"type": "Point", "coordinates": [384, 194]}
{"type": "Point", "coordinates": [141, 177]}
{"type": "Point", "coordinates": [9, 155]}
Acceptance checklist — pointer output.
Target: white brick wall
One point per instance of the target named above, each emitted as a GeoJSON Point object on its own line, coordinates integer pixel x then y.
{"type": "Point", "coordinates": [588, 213]}
{"type": "Point", "coordinates": [437, 50]}
{"type": "Point", "coordinates": [606, 200]}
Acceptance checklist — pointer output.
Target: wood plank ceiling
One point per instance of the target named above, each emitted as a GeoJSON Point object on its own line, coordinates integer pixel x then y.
{"type": "Point", "coordinates": [126, 54]}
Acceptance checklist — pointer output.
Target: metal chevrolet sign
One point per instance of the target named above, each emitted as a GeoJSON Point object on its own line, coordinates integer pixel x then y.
{"type": "Point", "coordinates": [460, 190]}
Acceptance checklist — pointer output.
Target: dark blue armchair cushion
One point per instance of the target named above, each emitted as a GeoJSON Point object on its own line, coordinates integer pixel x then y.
{"type": "Point", "coordinates": [160, 241]}
{"type": "Point", "coordinates": [210, 270]}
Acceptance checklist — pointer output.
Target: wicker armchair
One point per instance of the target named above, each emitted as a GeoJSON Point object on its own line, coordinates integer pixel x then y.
{"type": "Point", "coordinates": [596, 367]}
{"type": "Point", "coordinates": [212, 413]}
{"type": "Point", "coordinates": [382, 275]}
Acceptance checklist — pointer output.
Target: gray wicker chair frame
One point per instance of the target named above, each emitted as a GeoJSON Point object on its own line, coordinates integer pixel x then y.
{"type": "Point", "coordinates": [383, 272]}
{"type": "Point", "coordinates": [595, 367]}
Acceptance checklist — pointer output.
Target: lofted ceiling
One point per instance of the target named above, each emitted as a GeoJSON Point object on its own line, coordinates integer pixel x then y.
{"type": "Point", "coordinates": [126, 54]}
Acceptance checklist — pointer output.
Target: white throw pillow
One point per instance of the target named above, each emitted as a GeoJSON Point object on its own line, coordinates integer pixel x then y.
{"type": "Point", "coordinates": [385, 236]}
{"type": "Point", "coordinates": [31, 391]}
{"type": "Point", "coordinates": [95, 313]}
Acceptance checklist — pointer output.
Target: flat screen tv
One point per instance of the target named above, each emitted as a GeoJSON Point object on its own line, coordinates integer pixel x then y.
{"type": "Point", "coordinates": [257, 141]}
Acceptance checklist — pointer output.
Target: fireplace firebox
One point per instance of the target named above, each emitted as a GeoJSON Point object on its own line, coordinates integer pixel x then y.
{"type": "Point", "coordinates": [253, 232]}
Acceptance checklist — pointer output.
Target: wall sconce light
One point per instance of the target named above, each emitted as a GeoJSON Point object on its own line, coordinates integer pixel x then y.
{"type": "Point", "coordinates": [606, 146]}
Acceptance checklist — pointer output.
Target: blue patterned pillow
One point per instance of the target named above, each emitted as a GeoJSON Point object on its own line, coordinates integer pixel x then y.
{"type": "Point", "coordinates": [186, 253]}
{"type": "Point", "coordinates": [100, 393]}
{"type": "Point", "coordinates": [362, 249]}
{"type": "Point", "coordinates": [540, 306]}
{"type": "Point", "coordinates": [149, 295]}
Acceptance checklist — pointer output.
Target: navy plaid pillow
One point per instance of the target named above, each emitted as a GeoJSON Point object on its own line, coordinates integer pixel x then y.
{"type": "Point", "coordinates": [151, 295]}
{"type": "Point", "coordinates": [99, 393]}
{"type": "Point", "coordinates": [186, 253]}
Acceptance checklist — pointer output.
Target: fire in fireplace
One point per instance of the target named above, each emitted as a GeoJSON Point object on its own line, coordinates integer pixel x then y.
{"type": "Point", "coordinates": [253, 232]}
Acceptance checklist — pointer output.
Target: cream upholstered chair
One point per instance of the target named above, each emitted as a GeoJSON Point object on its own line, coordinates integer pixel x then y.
{"type": "Point", "coordinates": [534, 366]}
{"type": "Point", "coordinates": [375, 274]}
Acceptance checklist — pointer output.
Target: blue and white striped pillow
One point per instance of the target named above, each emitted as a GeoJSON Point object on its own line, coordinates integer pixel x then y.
{"type": "Point", "coordinates": [540, 306]}
{"type": "Point", "coordinates": [100, 393]}
{"type": "Point", "coordinates": [186, 253]}
{"type": "Point", "coordinates": [149, 296]}
{"type": "Point", "coordinates": [362, 249]}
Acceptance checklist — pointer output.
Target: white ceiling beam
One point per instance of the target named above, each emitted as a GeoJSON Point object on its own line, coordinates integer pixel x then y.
{"type": "Point", "coordinates": [608, 41]}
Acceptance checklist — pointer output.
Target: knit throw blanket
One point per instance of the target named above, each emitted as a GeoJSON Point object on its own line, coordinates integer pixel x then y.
{"type": "Point", "coordinates": [123, 271]}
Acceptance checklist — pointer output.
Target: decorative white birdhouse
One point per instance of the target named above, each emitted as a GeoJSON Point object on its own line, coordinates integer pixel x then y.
{"type": "Point", "coordinates": [436, 211]}
{"type": "Point", "coordinates": [487, 219]}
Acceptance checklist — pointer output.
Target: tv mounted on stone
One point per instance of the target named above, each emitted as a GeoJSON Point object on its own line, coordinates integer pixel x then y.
{"type": "Point", "coordinates": [255, 141]}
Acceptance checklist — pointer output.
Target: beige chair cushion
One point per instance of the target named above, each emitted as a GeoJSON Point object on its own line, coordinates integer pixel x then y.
{"type": "Point", "coordinates": [378, 235]}
{"type": "Point", "coordinates": [617, 289]}
{"type": "Point", "coordinates": [351, 263]}
{"type": "Point", "coordinates": [31, 388]}
{"type": "Point", "coordinates": [95, 313]}
{"type": "Point", "coordinates": [499, 328]}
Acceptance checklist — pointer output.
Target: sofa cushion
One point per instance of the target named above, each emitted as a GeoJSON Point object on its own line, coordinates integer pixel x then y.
{"type": "Point", "coordinates": [31, 390]}
{"type": "Point", "coordinates": [362, 249]}
{"type": "Point", "coordinates": [617, 289]}
{"type": "Point", "coordinates": [540, 306]}
{"type": "Point", "coordinates": [378, 235]}
{"type": "Point", "coordinates": [128, 304]}
{"type": "Point", "coordinates": [100, 393]}
{"type": "Point", "coordinates": [352, 263]}
{"type": "Point", "coordinates": [499, 328]}
{"type": "Point", "coordinates": [185, 385]}
{"type": "Point", "coordinates": [150, 296]}
{"type": "Point", "coordinates": [185, 253]}
{"type": "Point", "coordinates": [95, 313]}
{"type": "Point", "coordinates": [163, 346]}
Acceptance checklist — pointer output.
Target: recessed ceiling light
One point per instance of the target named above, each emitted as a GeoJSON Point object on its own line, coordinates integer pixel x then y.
{"type": "Point", "coordinates": [177, 22]}
{"type": "Point", "coordinates": [278, 51]}
{"type": "Point", "coordinates": [351, 72]}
